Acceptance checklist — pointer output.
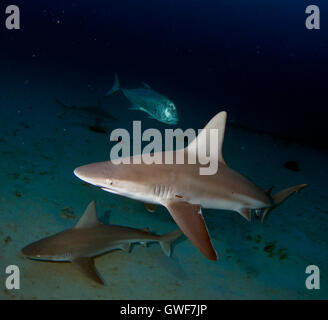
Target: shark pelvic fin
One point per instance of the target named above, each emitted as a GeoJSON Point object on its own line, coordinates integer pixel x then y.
{"type": "Point", "coordinates": [87, 267]}
{"type": "Point", "coordinates": [246, 213]}
{"type": "Point", "coordinates": [218, 122]}
{"type": "Point", "coordinates": [89, 217]}
{"type": "Point", "coordinates": [115, 87]}
{"type": "Point", "coordinates": [167, 239]}
{"type": "Point", "coordinates": [280, 197]}
{"type": "Point", "coordinates": [190, 220]}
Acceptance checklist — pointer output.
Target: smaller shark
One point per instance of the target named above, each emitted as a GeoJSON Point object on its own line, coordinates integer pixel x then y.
{"type": "Point", "coordinates": [146, 99]}
{"type": "Point", "coordinates": [91, 238]}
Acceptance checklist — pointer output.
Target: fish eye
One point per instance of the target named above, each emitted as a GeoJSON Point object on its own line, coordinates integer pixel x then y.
{"type": "Point", "coordinates": [167, 113]}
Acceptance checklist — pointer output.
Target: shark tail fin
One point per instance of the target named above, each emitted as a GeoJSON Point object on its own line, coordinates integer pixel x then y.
{"type": "Point", "coordinates": [115, 87]}
{"type": "Point", "coordinates": [280, 197]}
{"type": "Point", "coordinates": [167, 239]}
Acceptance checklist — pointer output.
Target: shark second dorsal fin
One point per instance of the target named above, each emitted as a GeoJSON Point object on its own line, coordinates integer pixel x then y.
{"type": "Point", "coordinates": [89, 217]}
{"type": "Point", "coordinates": [217, 122]}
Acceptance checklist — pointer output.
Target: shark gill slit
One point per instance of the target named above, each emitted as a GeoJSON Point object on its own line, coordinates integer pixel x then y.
{"type": "Point", "coordinates": [161, 191]}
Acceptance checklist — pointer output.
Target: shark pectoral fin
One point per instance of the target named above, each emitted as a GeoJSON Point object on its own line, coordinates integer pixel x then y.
{"type": "Point", "coordinates": [190, 220]}
{"type": "Point", "coordinates": [150, 207]}
{"type": "Point", "coordinates": [87, 267]}
{"type": "Point", "coordinates": [280, 197]}
{"type": "Point", "coordinates": [125, 247]}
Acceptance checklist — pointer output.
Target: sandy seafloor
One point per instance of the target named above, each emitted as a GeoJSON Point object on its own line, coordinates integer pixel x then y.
{"type": "Point", "coordinates": [39, 148]}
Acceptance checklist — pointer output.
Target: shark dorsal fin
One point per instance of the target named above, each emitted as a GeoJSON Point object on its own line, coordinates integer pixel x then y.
{"type": "Point", "coordinates": [89, 217]}
{"type": "Point", "coordinates": [217, 122]}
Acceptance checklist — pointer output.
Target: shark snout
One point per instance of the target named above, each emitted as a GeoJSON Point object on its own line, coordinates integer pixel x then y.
{"type": "Point", "coordinates": [31, 251]}
{"type": "Point", "coordinates": [94, 173]}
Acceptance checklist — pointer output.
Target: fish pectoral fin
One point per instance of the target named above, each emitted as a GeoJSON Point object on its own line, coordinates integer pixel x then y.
{"type": "Point", "coordinates": [190, 220]}
{"type": "Point", "coordinates": [150, 207]}
{"type": "Point", "coordinates": [125, 247]}
{"type": "Point", "coordinates": [87, 267]}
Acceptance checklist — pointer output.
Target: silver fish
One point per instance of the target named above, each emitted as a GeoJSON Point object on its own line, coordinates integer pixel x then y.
{"type": "Point", "coordinates": [146, 99]}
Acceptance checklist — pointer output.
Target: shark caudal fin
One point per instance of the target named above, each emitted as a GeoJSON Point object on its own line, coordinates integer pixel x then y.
{"type": "Point", "coordinates": [115, 87]}
{"type": "Point", "coordinates": [167, 239]}
{"type": "Point", "coordinates": [280, 197]}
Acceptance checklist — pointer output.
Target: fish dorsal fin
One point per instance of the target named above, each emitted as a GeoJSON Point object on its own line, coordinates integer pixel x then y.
{"type": "Point", "coordinates": [146, 85]}
{"type": "Point", "coordinates": [89, 217]}
{"type": "Point", "coordinates": [217, 122]}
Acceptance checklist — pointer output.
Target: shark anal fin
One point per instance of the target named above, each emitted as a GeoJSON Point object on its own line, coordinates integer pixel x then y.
{"type": "Point", "coordinates": [216, 125]}
{"type": "Point", "coordinates": [191, 222]}
{"type": "Point", "coordinates": [144, 244]}
{"type": "Point", "coordinates": [115, 87]}
{"type": "Point", "coordinates": [150, 207]}
{"type": "Point", "coordinates": [87, 267]}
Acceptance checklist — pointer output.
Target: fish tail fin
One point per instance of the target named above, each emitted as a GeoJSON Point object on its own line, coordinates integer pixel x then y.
{"type": "Point", "coordinates": [167, 239]}
{"type": "Point", "coordinates": [280, 197]}
{"type": "Point", "coordinates": [115, 87]}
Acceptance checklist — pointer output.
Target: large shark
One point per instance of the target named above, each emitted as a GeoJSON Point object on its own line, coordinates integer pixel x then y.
{"type": "Point", "coordinates": [90, 238]}
{"type": "Point", "coordinates": [183, 190]}
{"type": "Point", "coordinates": [146, 99]}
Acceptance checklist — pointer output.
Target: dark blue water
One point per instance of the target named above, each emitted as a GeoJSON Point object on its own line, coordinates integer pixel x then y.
{"type": "Point", "coordinates": [254, 59]}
